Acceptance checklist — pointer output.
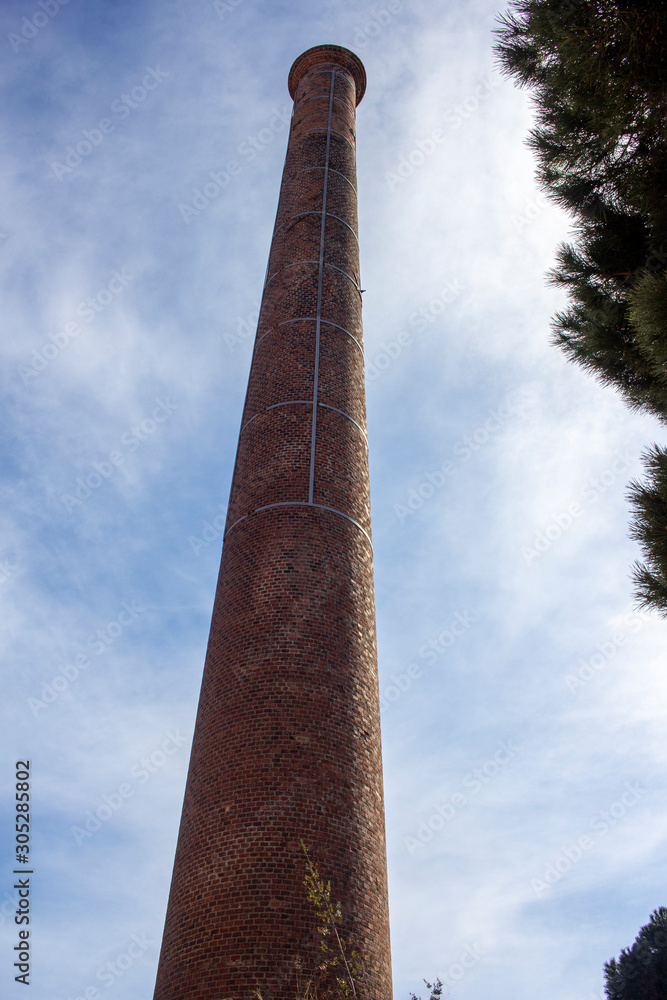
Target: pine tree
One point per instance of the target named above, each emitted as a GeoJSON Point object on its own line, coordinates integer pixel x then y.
{"type": "Point", "coordinates": [598, 74]}
{"type": "Point", "coordinates": [641, 971]}
{"type": "Point", "coordinates": [649, 527]}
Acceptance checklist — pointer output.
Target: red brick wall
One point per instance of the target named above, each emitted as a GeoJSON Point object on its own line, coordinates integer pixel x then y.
{"type": "Point", "coordinates": [287, 738]}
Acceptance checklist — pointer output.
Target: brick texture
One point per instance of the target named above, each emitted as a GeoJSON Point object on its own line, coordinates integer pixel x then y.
{"type": "Point", "coordinates": [287, 737]}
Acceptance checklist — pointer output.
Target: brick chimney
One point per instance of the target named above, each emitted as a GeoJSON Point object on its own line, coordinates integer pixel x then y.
{"type": "Point", "coordinates": [287, 739]}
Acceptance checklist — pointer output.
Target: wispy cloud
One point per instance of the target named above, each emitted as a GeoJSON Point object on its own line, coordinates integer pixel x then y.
{"type": "Point", "coordinates": [131, 276]}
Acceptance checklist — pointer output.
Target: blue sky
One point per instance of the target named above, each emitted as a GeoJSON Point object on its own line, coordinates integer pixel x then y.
{"type": "Point", "coordinates": [524, 700]}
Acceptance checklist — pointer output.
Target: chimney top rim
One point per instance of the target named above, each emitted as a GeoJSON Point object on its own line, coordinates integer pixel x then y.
{"type": "Point", "coordinates": [327, 54]}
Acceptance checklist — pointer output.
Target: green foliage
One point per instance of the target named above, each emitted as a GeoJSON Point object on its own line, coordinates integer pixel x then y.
{"type": "Point", "coordinates": [339, 972]}
{"type": "Point", "coordinates": [597, 70]}
{"type": "Point", "coordinates": [649, 526]}
{"type": "Point", "coordinates": [641, 971]}
{"type": "Point", "coordinates": [647, 313]}
{"type": "Point", "coordinates": [599, 79]}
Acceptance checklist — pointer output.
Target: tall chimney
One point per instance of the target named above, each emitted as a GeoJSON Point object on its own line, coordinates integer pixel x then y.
{"type": "Point", "coordinates": [287, 739]}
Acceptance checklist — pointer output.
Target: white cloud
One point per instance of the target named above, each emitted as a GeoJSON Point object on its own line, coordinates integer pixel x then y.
{"type": "Point", "coordinates": [468, 219]}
